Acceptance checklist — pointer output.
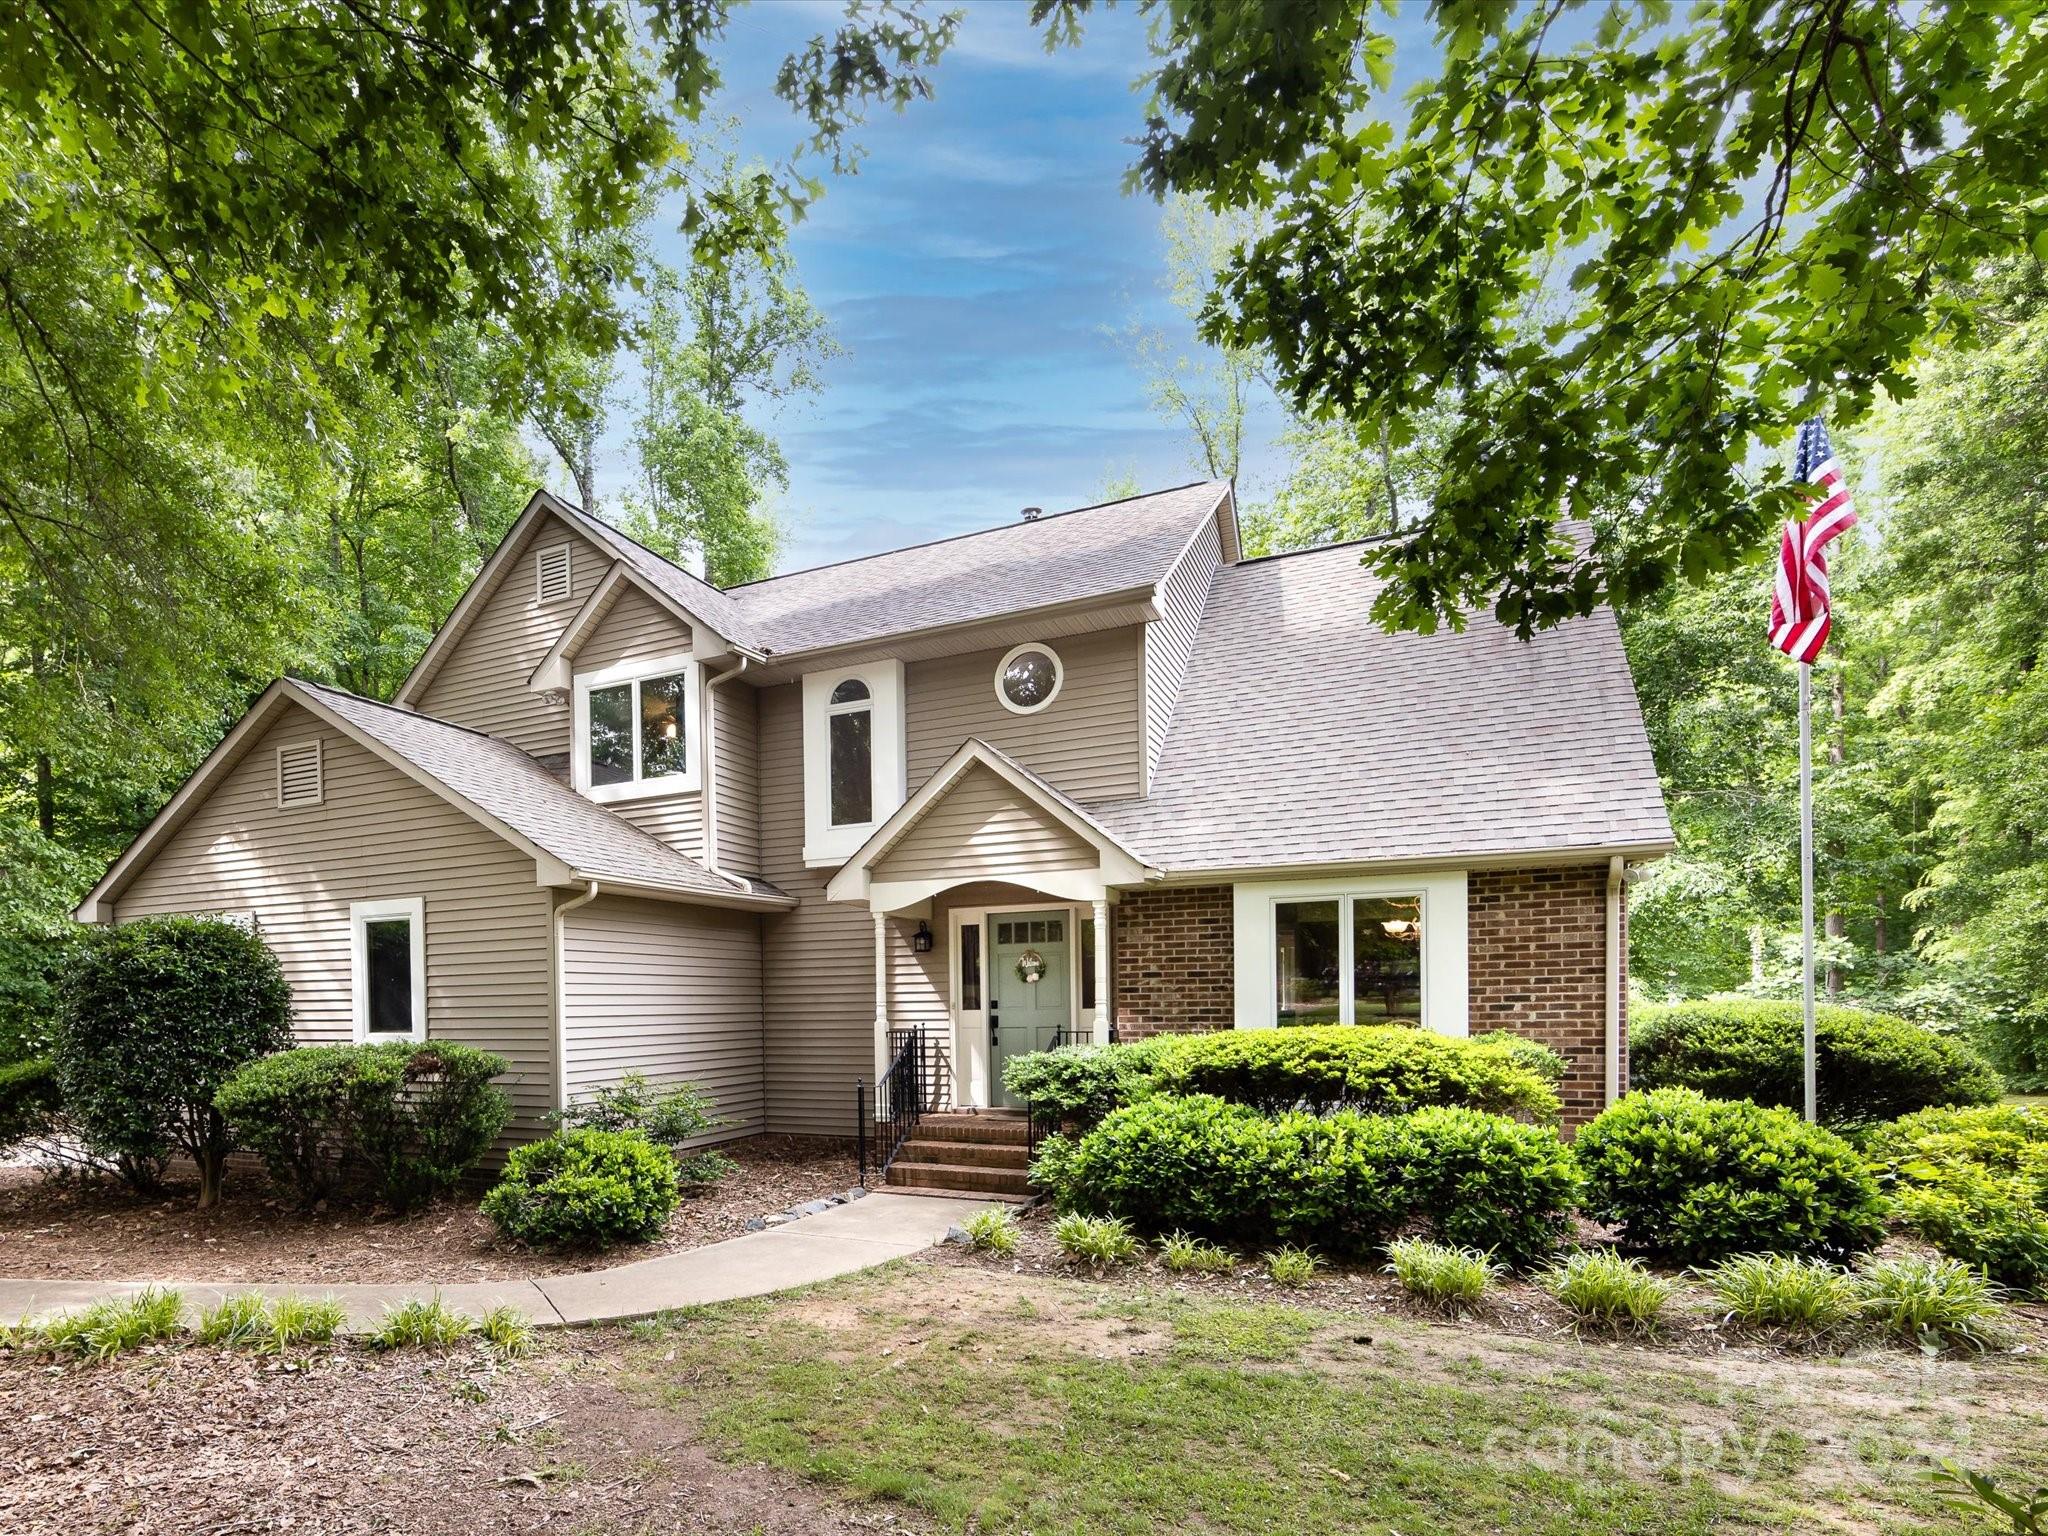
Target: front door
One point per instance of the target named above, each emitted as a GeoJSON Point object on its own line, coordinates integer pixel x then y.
{"type": "Point", "coordinates": [1030, 988]}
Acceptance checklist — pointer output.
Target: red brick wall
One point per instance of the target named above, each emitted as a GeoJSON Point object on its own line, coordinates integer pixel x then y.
{"type": "Point", "coordinates": [1538, 953]}
{"type": "Point", "coordinates": [1172, 960]}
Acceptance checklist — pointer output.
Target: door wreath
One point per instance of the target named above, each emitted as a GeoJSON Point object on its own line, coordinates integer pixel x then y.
{"type": "Point", "coordinates": [1030, 967]}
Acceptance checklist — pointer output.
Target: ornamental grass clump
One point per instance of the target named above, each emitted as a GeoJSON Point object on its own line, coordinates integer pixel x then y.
{"type": "Point", "coordinates": [293, 1322]}
{"type": "Point", "coordinates": [992, 1231]}
{"type": "Point", "coordinates": [112, 1327]}
{"type": "Point", "coordinates": [1099, 1241]}
{"type": "Point", "coordinates": [1601, 1287]}
{"type": "Point", "coordinates": [507, 1330]}
{"type": "Point", "coordinates": [1185, 1255]}
{"type": "Point", "coordinates": [1291, 1266]}
{"type": "Point", "coordinates": [1453, 1279]}
{"type": "Point", "coordinates": [417, 1324]}
{"type": "Point", "coordinates": [1935, 1303]}
{"type": "Point", "coordinates": [1779, 1290]}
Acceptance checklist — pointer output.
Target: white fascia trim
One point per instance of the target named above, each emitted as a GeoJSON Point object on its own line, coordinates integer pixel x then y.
{"type": "Point", "coordinates": [1117, 864]}
{"type": "Point", "coordinates": [360, 913]}
{"type": "Point", "coordinates": [1545, 858]}
{"type": "Point", "coordinates": [555, 670]}
{"type": "Point", "coordinates": [888, 741]}
{"type": "Point", "coordinates": [1446, 978]}
{"type": "Point", "coordinates": [689, 781]}
{"type": "Point", "coordinates": [738, 899]}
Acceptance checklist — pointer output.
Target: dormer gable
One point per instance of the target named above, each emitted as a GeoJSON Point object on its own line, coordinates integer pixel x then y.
{"type": "Point", "coordinates": [623, 616]}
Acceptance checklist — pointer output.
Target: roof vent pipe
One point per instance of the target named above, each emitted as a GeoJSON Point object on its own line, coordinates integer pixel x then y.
{"type": "Point", "coordinates": [1032, 514]}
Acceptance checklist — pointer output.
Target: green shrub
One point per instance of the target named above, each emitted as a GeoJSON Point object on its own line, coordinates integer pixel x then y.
{"type": "Point", "coordinates": [1451, 1278]}
{"type": "Point", "coordinates": [507, 1330]}
{"type": "Point", "coordinates": [108, 1328]}
{"type": "Point", "coordinates": [1374, 1068]}
{"type": "Point", "coordinates": [1699, 1179]}
{"type": "Point", "coordinates": [1599, 1286]}
{"type": "Point", "coordinates": [153, 1017]}
{"type": "Point", "coordinates": [992, 1231]}
{"type": "Point", "coordinates": [28, 1099]}
{"type": "Point", "coordinates": [1482, 1181]}
{"type": "Point", "coordinates": [670, 1117]}
{"type": "Point", "coordinates": [1871, 1066]}
{"type": "Point", "coordinates": [421, 1325]}
{"type": "Point", "coordinates": [1186, 1255]}
{"type": "Point", "coordinates": [1096, 1240]}
{"type": "Point", "coordinates": [585, 1189]}
{"type": "Point", "coordinates": [1776, 1290]}
{"type": "Point", "coordinates": [1974, 1182]}
{"type": "Point", "coordinates": [1539, 1058]}
{"type": "Point", "coordinates": [1081, 1084]}
{"type": "Point", "coordinates": [1935, 1303]}
{"type": "Point", "coordinates": [1341, 1181]}
{"type": "Point", "coordinates": [406, 1118]}
{"type": "Point", "coordinates": [1292, 1266]}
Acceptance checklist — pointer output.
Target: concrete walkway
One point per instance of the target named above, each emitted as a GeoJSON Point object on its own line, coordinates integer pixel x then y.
{"type": "Point", "coordinates": [858, 1235]}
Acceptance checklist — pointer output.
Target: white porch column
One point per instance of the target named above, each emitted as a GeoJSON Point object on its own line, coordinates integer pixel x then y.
{"type": "Point", "coordinates": [881, 1005]}
{"type": "Point", "coordinates": [1101, 1022]}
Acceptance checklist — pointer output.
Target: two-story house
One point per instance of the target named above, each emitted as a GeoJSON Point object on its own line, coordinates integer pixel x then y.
{"type": "Point", "coordinates": [1082, 772]}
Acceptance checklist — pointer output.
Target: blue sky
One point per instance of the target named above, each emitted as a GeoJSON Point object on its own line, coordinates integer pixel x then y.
{"type": "Point", "coordinates": [974, 270]}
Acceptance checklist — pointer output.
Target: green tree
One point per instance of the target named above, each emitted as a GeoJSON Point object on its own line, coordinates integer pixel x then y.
{"type": "Point", "coordinates": [1763, 204]}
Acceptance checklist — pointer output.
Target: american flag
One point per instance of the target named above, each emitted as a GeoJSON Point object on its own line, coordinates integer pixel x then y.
{"type": "Point", "coordinates": [1799, 601]}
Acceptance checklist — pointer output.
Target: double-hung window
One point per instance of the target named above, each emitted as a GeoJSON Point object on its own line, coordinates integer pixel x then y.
{"type": "Point", "coordinates": [388, 968]}
{"type": "Point", "coordinates": [634, 730]}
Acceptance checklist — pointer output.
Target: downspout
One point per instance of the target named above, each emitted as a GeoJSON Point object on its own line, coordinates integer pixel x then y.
{"type": "Point", "coordinates": [710, 765]}
{"type": "Point", "coordinates": [1616, 972]}
{"type": "Point", "coordinates": [562, 997]}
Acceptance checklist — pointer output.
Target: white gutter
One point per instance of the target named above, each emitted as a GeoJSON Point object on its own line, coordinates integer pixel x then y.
{"type": "Point", "coordinates": [1616, 974]}
{"type": "Point", "coordinates": [562, 997]}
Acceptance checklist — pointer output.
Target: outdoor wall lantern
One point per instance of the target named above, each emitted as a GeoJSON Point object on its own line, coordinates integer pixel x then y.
{"type": "Point", "coordinates": [921, 941]}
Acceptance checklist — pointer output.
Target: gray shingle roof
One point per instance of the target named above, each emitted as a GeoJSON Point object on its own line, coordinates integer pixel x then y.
{"type": "Point", "coordinates": [1062, 557]}
{"type": "Point", "coordinates": [692, 592]}
{"type": "Point", "coordinates": [1305, 734]}
{"type": "Point", "coordinates": [505, 783]}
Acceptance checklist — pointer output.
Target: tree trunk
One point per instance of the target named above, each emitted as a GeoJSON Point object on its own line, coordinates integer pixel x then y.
{"type": "Point", "coordinates": [1756, 954]}
{"type": "Point", "coordinates": [209, 1179]}
{"type": "Point", "coordinates": [46, 795]}
{"type": "Point", "coordinates": [1877, 926]}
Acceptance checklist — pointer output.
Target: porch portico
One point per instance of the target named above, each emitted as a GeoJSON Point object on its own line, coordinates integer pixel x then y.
{"type": "Point", "coordinates": [987, 864]}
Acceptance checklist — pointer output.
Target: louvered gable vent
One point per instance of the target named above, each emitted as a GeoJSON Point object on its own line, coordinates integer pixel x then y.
{"type": "Point", "coordinates": [551, 573]}
{"type": "Point", "coordinates": [298, 774]}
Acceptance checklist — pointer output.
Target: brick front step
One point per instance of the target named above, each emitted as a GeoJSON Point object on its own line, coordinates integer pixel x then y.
{"type": "Point", "coordinates": [956, 1176]}
{"type": "Point", "coordinates": [995, 1127]}
{"type": "Point", "coordinates": [972, 1154]}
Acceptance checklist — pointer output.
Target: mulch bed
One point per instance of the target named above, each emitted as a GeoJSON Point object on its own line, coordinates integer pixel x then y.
{"type": "Point", "coordinates": [175, 1441]}
{"type": "Point", "coordinates": [97, 1229]}
{"type": "Point", "coordinates": [1515, 1305]}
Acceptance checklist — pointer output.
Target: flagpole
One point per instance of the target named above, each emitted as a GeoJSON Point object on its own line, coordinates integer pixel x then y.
{"type": "Point", "coordinates": [1806, 876]}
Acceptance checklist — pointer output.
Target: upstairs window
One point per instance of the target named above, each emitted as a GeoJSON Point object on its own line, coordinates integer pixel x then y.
{"type": "Point", "coordinates": [552, 574]}
{"type": "Point", "coordinates": [1029, 678]}
{"type": "Point", "coordinates": [298, 774]}
{"type": "Point", "coordinates": [850, 725]}
{"type": "Point", "coordinates": [633, 729]}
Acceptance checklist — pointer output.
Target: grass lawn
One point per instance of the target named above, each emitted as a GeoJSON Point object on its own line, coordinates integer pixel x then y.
{"type": "Point", "coordinates": [987, 1401]}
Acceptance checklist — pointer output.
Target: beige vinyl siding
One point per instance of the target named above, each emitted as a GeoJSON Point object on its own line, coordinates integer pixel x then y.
{"type": "Point", "coordinates": [670, 991]}
{"type": "Point", "coordinates": [982, 828]}
{"type": "Point", "coordinates": [1170, 640]}
{"type": "Point", "coordinates": [1089, 741]}
{"type": "Point", "coordinates": [735, 764]}
{"type": "Point", "coordinates": [677, 820]}
{"type": "Point", "coordinates": [482, 681]}
{"type": "Point", "coordinates": [818, 961]}
{"type": "Point", "coordinates": [634, 628]}
{"type": "Point", "coordinates": [375, 835]}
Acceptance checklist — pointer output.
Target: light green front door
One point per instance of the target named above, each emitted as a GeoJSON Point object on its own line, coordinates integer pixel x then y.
{"type": "Point", "coordinates": [1026, 1014]}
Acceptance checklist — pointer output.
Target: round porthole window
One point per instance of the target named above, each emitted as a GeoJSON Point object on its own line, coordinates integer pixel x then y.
{"type": "Point", "coordinates": [1028, 679]}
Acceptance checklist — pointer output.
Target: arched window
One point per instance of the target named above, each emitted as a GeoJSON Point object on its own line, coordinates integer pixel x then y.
{"type": "Point", "coordinates": [849, 716]}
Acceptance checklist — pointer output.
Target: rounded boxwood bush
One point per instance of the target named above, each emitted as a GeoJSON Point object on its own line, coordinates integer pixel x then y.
{"type": "Point", "coordinates": [1081, 1084]}
{"type": "Point", "coordinates": [1871, 1066]}
{"type": "Point", "coordinates": [1974, 1182]}
{"type": "Point", "coordinates": [1698, 1179]}
{"type": "Point", "coordinates": [1374, 1068]}
{"type": "Point", "coordinates": [406, 1119]}
{"type": "Point", "coordinates": [585, 1189]}
{"type": "Point", "coordinates": [1486, 1182]}
{"type": "Point", "coordinates": [28, 1099]}
{"type": "Point", "coordinates": [153, 1016]}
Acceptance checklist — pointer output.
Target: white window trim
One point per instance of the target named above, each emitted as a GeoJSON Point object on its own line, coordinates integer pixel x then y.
{"type": "Point", "coordinates": [1446, 984]}
{"type": "Point", "coordinates": [1059, 677]}
{"type": "Point", "coordinates": [319, 773]}
{"type": "Point", "coordinates": [690, 780]}
{"type": "Point", "coordinates": [540, 584]}
{"type": "Point", "coordinates": [362, 913]}
{"type": "Point", "coordinates": [824, 844]}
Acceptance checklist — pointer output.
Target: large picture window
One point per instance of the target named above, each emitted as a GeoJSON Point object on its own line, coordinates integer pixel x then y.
{"type": "Point", "coordinates": [388, 968]}
{"type": "Point", "coordinates": [1368, 948]}
{"type": "Point", "coordinates": [633, 730]}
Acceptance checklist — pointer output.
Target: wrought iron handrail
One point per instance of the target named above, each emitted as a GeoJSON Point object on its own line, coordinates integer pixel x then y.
{"type": "Point", "coordinates": [899, 1101]}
